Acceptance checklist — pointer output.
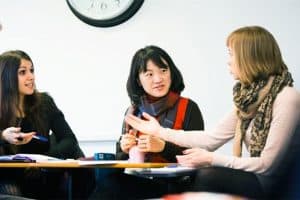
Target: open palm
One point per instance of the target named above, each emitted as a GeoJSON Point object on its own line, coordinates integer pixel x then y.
{"type": "Point", "coordinates": [149, 126]}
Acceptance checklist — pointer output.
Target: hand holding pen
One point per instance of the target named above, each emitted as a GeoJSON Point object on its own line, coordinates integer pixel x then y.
{"type": "Point", "coordinates": [13, 136]}
{"type": "Point", "coordinates": [128, 140]}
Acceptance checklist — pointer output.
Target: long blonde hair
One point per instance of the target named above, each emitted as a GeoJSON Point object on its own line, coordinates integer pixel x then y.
{"type": "Point", "coordinates": [257, 53]}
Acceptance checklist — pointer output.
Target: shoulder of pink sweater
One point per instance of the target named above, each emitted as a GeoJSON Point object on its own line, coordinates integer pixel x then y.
{"type": "Point", "coordinates": [289, 94]}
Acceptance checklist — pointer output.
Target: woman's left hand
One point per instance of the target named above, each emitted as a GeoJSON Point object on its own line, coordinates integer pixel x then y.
{"type": "Point", "coordinates": [149, 143]}
{"type": "Point", "coordinates": [195, 157]}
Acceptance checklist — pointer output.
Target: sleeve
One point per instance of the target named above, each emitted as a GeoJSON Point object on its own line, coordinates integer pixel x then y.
{"type": "Point", "coordinates": [120, 155]}
{"type": "Point", "coordinates": [193, 120]}
{"type": "Point", "coordinates": [2, 141]}
{"type": "Point", "coordinates": [66, 144]}
{"type": "Point", "coordinates": [286, 117]}
{"type": "Point", "coordinates": [209, 140]}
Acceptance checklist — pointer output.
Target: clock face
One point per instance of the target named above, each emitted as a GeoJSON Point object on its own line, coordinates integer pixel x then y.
{"type": "Point", "coordinates": [104, 12]}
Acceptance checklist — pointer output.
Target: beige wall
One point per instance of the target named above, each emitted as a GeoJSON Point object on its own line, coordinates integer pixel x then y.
{"type": "Point", "coordinates": [85, 68]}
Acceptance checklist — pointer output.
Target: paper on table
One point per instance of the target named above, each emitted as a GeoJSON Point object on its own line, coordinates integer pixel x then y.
{"type": "Point", "coordinates": [27, 158]}
{"type": "Point", "coordinates": [37, 157]}
{"type": "Point", "coordinates": [161, 170]}
{"type": "Point", "coordinates": [6, 158]}
{"type": "Point", "coordinates": [170, 169]}
{"type": "Point", "coordinates": [100, 162]}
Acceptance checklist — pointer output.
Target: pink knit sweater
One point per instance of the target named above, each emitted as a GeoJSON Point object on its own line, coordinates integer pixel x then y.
{"type": "Point", "coordinates": [286, 118]}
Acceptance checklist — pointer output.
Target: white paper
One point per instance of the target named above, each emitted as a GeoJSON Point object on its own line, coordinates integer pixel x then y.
{"type": "Point", "coordinates": [33, 157]}
{"type": "Point", "coordinates": [37, 157]}
{"type": "Point", "coordinates": [100, 162]}
{"type": "Point", "coordinates": [160, 170]}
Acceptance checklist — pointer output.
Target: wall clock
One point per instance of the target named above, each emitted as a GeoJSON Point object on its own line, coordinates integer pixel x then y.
{"type": "Point", "coordinates": [104, 13]}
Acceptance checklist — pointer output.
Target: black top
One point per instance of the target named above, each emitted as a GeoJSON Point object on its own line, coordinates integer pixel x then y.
{"type": "Point", "coordinates": [66, 144]}
{"type": "Point", "coordinates": [193, 121]}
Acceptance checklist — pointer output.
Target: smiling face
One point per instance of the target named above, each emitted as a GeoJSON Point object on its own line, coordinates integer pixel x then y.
{"type": "Point", "coordinates": [155, 81]}
{"type": "Point", "coordinates": [26, 78]}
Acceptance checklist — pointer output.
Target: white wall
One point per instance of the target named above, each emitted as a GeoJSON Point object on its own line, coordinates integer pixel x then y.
{"type": "Point", "coordinates": [85, 68]}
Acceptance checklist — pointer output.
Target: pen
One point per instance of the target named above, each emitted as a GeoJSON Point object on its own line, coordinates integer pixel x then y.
{"type": "Point", "coordinates": [41, 138]}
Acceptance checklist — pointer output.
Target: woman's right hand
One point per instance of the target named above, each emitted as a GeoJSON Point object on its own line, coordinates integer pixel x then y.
{"type": "Point", "coordinates": [149, 126]}
{"type": "Point", "coordinates": [13, 136]}
{"type": "Point", "coordinates": [127, 141]}
{"type": "Point", "coordinates": [195, 157]}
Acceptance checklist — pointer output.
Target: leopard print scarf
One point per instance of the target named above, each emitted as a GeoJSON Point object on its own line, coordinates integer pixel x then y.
{"type": "Point", "coordinates": [254, 102]}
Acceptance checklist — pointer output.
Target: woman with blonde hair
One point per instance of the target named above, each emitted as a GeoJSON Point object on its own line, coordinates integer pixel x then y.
{"type": "Point", "coordinates": [265, 118]}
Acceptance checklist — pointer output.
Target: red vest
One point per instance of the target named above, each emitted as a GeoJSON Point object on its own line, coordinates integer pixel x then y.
{"type": "Point", "coordinates": [178, 124]}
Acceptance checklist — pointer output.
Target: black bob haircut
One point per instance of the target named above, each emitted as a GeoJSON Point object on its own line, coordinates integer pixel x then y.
{"type": "Point", "coordinates": [139, 64]}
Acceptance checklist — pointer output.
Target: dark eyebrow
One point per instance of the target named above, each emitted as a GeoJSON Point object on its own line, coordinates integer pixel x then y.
{"type": "Point", "coordinates": [24, 67]}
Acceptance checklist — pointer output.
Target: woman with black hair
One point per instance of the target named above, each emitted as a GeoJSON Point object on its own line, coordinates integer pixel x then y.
{"type": "Point", "coordinates": [154, 86]}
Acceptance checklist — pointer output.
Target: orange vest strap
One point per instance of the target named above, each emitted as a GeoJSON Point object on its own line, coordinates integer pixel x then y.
{"type": "Point", "coordinates": [180, 115]}
{"type": "Point", "coordinates": [178, 124]}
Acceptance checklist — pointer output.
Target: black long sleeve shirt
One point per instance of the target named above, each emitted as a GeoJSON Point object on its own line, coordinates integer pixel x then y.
{"type": "Point", "coordinates": [66, 144]}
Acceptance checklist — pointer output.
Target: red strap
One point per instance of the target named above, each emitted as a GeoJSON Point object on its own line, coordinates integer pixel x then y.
{"type": "Point", "coordinates": [178, 124]}
{"type": "Point", "coordinates": [181, 109]}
